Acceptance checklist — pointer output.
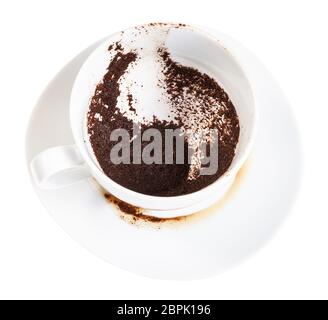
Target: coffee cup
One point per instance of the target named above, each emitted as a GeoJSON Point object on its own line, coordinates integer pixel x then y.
{"type": "Point", "coordinates": [61, 166]}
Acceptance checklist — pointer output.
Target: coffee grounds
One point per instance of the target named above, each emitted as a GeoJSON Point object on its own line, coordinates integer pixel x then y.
{"type": "Point", "coordinates": [195, 98]}
{"type": "Point", "coordinates": [134, 214]}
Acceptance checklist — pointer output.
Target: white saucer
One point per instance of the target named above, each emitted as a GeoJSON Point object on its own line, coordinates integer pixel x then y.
{"type": "Point", "coordinates": [199, 246]}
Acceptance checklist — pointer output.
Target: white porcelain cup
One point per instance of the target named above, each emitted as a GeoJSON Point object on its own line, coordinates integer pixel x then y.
{"type": "Point", "coordinates": [63, 165]}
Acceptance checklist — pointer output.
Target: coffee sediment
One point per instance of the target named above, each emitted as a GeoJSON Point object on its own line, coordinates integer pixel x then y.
{"type": "Point", "coordinates": [197, 104]}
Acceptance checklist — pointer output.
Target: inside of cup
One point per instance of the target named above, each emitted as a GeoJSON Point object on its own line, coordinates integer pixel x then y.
{"type": "Point", "coordinates": [187, 45]}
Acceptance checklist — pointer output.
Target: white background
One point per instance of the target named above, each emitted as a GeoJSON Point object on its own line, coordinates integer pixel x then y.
{"type": "Point", "coordinates": [39, 260]}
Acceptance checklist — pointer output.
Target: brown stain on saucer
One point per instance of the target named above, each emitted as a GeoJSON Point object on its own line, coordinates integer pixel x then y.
{"type": "Point", "coordinates": [139, 217]}
{"type": "Point", "coordinates": [216, 207]}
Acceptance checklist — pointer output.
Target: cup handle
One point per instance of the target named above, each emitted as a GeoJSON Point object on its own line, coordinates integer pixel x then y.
{"type": "Point", "coordinates": [58, 167]}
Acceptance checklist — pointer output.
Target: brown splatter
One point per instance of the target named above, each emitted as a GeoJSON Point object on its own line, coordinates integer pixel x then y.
{"type": "Point", "coordinates": [130, 102]}
{"type": "Point", "coordinates": [135, 212]}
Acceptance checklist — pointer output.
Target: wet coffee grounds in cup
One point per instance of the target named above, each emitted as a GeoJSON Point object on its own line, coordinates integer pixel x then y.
{"type": "Point", "coordinates": [197, 104]}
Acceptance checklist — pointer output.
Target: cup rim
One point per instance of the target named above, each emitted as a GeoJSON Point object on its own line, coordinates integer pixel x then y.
{"type": "Point", "coordinates": [231, 171]}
